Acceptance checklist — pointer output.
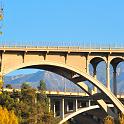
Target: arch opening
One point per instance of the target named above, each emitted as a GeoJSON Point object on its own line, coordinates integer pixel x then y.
{"type": "Point", "coordinates": [33, 74]}
{"type": "Point", "coordinates": [120, 78]}
{"type": "Point", "coordinates": [117, 67]}
{"type": "Point", "coordinates": [97, 68]}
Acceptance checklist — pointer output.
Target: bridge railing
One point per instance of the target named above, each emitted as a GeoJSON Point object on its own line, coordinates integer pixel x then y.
{"type": "Point", "coordinates": [61, 47]}
{"type": "Point", "coordinates": [63, 44]}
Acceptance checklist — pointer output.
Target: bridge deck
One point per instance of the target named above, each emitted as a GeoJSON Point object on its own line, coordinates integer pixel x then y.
{"type": "Point", "coordinates": [60, 93]}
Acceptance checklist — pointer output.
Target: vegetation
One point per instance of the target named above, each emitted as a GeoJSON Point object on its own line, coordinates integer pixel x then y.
{"type": "Point", "coordinates": [30, 107]}
{"type": "Point", "coordinates": [121, 118]}
{"type": "Point", "coordinates": [108, 120]}
{"type": "Point", "coordinates": [42, 86]}
{"type": "Point", "coordinates": [9, 86]}
{"type": "Point", "coordinates": [7, 117]}
{"type": "Point", "coordinates": [1, 84]}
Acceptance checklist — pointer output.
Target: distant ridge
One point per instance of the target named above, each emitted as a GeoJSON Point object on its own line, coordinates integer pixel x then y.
{"type": "Point", "coordinates": [53, 81]}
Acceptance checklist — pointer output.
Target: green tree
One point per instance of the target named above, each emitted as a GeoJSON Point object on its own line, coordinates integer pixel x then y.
{"type": "Point", "coordinates": [42, 85]}
{"type": "Point", "coordinates": [25, 85]}
{"type": "Point", "coordinates": [28, 94]}
{"type": "Point", "coordinates": [9, 86]}
{"type": "Point", "coordinates": [6, 100]}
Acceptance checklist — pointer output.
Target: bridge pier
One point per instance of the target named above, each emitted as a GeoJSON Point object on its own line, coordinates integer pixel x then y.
{"type": "Point", "coordinates": [66, 107]}
{"type": "Point", "coordinates": [108, 75]}
{"type": "Point", "coordinates": [53, 107]}
{"type": "Point", "coordinates": [114, 82]}
{"type": "Point", "coordinates": [75, 105]}
{"type": "Point", "coordinates": [49, 102]}
{"type": "Point", "coordinates": [94, 75]}
{"type": "Point", "coordinates": [88, 104]}
{"type": "Point", "coordinates": [87, 64]}
{"type": "Point", "coordinates": [62, 112]}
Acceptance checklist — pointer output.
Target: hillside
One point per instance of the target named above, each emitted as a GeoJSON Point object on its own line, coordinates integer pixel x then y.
{"type": "Point", "coordinates": [53, 81]}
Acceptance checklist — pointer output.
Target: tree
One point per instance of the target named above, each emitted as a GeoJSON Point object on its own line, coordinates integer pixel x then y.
{"type": "Point", "coordinates": [9, 86]}
{"type": "Point", "coordinates": [28, 95]}
{"type": "Point", "coordinates": [7, 117]}
{"type": "Point", "coordinates": [42, 85]}
{"type": "Point", "coordinates": [25, 85]}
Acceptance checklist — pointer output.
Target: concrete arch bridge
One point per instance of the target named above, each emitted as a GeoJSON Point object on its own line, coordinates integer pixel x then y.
{"type": "Point", "coordinates": [71, 63]}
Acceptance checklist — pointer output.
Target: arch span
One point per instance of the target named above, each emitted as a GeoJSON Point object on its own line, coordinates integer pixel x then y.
{"type": "Point", "coordinates": [115, 61]}
{"type": "Point", "coordinates": [79, 112]}
{"type": "Point", "coordinates": [70, 72]}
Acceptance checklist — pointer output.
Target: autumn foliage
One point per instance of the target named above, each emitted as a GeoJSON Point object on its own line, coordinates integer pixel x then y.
{"type": "Point", "coordinates": [121, 119]}
{"type": "Point", "coordinates": [108, 120]}
{"type": "Point", "coordinates": [7, 117]}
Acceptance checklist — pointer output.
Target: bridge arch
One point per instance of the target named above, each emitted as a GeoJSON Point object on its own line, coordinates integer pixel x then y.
{"type": "Point", "coordinates": [69, 72]}
{"type": "Point", "coordinates": [78, 112]}
{"type": "Point", "coordinates": [97, 60]}
{"type": "Point", "coordinates": [115, 61]}
{"type": "Point", "coordinates": [85, 109]}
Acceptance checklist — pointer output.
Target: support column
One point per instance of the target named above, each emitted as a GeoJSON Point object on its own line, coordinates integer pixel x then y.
{"type": "Point", "coordinates": [108, 75]}
{"type": "Point", "coordinates": [66, 106]}
{"type": "Point", "coordinates": [87, 64]}
{"type": "Point", "coordinates": [49, 102]}
{"type": "Point", "coordinates": [2, 69]}
{"type": "Point", "coordinates": [94, 75]}
{"type": "Point", "coordinates": [54, 109]}
{"type": "Point", "coordinates": [62, 108]}
{"type": "Point", "coordinates": [114, 82]}
{"type": "Point", "coordinates": [75, 105]}
{"type": "Point", "coordinates": [88, 104]}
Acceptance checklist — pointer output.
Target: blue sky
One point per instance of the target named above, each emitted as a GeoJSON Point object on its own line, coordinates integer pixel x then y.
{"type": "Point", "coordinates": [55, 21]}
{"type": "Point", "coordinates": [68, 21]}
